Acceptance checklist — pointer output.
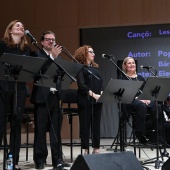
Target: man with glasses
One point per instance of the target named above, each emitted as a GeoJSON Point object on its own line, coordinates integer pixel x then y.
{"type": "Point", "coordinates": [46, 111]}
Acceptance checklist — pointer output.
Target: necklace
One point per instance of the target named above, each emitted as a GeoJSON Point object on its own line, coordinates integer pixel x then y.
{"type": "Point", "coordinates": [132, 77]}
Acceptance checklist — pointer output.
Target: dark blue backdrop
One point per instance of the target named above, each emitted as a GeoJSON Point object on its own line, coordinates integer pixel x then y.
{"type": "Point", "coordinates": [148, 44]}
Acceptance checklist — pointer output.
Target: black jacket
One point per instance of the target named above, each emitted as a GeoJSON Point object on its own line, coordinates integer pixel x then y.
{"type": "Point", "coordinates": [39, 93]}
{"type": "Point", "coordinates": [87, 82]}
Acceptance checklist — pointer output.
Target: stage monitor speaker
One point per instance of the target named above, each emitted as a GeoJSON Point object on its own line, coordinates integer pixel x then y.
{"type": "Point", "coordinates": [108, 161]}
{"type": "Point", "coordinates": [166, 165]}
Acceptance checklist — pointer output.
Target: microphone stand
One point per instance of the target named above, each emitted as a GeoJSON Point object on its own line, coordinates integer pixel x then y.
{"type": "Point", "coordinates": [109, 58]}
{"type": "Point", "coordinates": [164, 153]}
{"type": "Point", "coordinates": [154, 74]}
{"type": "Point", "coordinates": [121, 137]}
{"type": "Point", "coordinates": [60, 72]}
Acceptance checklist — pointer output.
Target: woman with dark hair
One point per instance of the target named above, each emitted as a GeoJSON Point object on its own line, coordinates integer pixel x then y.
{"type": "Point", "coordinates": [14, 42]}
{"type": "Point", "coordinates": [89, 91]}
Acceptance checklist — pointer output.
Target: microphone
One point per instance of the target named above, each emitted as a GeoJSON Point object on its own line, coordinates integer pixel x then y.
{"type": "Point", "coordinates": [29, 35]}
{"type": "Point", "coordinates": [58, 45]}
{"type": "Point", "coordinates": [147, 67]}
{"type": "Point", "coordinates": [107, 56]}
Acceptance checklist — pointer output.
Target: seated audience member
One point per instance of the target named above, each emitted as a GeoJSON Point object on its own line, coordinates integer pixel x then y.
{"type": "Point", "coordinates": [166, 111]}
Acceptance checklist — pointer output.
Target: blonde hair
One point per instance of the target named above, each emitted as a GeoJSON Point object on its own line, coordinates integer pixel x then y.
{"type": "Point", "coordinates": [124, 63]}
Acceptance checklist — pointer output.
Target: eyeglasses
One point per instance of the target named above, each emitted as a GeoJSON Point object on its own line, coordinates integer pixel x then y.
{"type": "Point", "coordinates": [92, 52]}
{"type": "Point", "coordinates": [49, 39]}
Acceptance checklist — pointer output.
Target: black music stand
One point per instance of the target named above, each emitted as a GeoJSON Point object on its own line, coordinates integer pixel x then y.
{"type": "Point", "coordinates": [120, 91]}
{"type": "Point", "coordinates": [27, 66]}
{"type": "Point", "coordinates": [17, 68]}
{"type": "Point", "coordinates": [71, 67]}
{"type": "Point", "coordinates": [157, 89]}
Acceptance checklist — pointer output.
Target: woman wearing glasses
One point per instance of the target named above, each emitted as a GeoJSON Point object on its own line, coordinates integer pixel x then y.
{"type": "Point", "coordinates": [90, 87]}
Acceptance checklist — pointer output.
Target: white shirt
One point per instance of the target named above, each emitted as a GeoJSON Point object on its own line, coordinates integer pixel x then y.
{"type": "Point", "coordinates": [52, 88]}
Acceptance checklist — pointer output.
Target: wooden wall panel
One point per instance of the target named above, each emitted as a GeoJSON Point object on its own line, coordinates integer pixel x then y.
{"type": "Point", "coordinates": [68, 38]}
{"type": "Point", "coordinates": [88, 13]}
{"type": "Point", "coordinates": [131, 12]}
{"type": "Point", "coordinates": [26, 11]}
{"type": "Point", "coordinates": [56, 14]}
{"type": "Point", "coordinates": [109, 12]}
{"type": "Point", "coordinates": [167, 13]}
{"type": "Point", "coordinates": [154, 11]}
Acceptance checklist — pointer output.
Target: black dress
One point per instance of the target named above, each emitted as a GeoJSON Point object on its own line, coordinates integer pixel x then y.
{"type": "Point", "coordinates": [6, 96]}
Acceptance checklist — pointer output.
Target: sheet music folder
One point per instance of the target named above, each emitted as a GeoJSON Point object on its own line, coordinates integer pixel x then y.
{"type": "Point", "coordinates": [71, 67]}
{"type": "Point", "coordinates": [30, 66]}
{"type": "Point", "coordinates": [155, 83]}
{"type": "Point", "coordinates": [129, 88]}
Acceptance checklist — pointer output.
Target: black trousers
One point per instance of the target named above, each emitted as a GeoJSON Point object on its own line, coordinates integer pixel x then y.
{"type": "Point", "coordinates": [87, 117]}
{"type": "Point", "coordinates": [141, 110]}
{"type": "Point", "coordinates": [47, 118]}
{"type": "Point", "coordinates": [15, 119]}
{"type": "Point", "coordinates": [167, 131]}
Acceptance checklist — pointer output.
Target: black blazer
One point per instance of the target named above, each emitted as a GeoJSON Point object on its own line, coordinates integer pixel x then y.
{"type": "Point", "coordinates": [39, 93]}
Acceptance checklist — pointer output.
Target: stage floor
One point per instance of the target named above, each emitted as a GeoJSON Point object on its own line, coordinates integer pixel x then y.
{"type": "Point", "coordinates": [146, 153]}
